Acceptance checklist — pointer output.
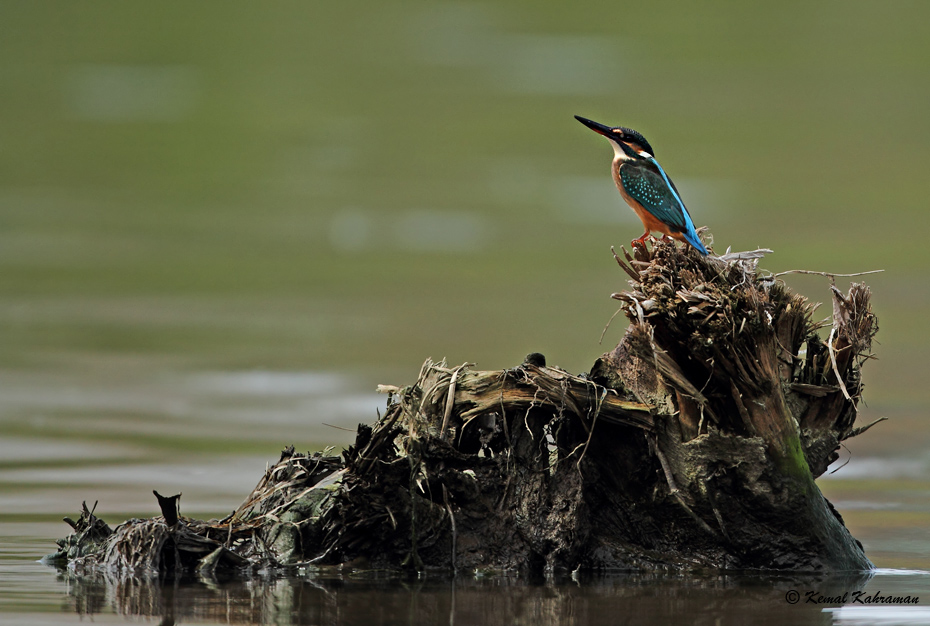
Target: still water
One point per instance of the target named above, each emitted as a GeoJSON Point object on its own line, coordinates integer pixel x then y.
{"type": "Point", "coordinates": [223, 223]}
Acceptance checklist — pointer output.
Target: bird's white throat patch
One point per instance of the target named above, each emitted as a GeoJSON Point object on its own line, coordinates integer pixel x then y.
{"type": "Point", "coordinates": [620, 155]}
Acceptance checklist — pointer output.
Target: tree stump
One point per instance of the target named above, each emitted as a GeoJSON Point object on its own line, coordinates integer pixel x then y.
{"type": "Point", "coordinates": [692, 444]}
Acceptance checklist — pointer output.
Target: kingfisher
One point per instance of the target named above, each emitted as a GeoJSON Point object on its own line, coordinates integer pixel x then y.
{"type": "Point", "coordinates": [645, 186]}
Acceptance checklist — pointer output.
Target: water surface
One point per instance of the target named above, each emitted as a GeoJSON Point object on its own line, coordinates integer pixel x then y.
{"type": "Point", "coordinates": [223, 223]}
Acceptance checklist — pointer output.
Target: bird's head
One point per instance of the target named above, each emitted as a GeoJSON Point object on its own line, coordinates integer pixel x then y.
{"type": "Point", "coordinates": [628, 144]}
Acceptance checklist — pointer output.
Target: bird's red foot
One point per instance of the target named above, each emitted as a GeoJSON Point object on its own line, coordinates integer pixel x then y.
{"type": "Point", "coordinates": [641, 242]}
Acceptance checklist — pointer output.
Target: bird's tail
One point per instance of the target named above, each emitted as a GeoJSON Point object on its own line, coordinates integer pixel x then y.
{"type": "Point", "coordinates": [691, 237]}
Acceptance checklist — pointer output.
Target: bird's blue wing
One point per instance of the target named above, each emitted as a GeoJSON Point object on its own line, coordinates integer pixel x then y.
{"type": "Point", "coordinates": [647, 183]}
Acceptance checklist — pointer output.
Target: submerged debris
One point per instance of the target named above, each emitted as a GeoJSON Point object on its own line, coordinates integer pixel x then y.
{"type": "Point", "coordinates": [694, 443]}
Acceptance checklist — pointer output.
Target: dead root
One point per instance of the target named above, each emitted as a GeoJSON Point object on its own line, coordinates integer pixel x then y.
{"type": "Point", "coordinates": [694, 443]}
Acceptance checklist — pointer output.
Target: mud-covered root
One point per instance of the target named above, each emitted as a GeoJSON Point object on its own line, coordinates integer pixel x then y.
{"type": "Point", "coordinates": [693, 444]}
{"type": "Point", "coordinates": [758, 401]}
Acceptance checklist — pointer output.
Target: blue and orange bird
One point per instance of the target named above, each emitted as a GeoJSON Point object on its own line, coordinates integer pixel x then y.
{"type": "Point", "coordinates": [646, 187]}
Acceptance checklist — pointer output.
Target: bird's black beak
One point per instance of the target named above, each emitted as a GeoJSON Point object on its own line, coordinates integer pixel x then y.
{"type": "Point", "coordinates": [598, 128]}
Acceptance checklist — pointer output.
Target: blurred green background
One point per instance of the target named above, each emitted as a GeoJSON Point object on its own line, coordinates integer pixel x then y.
{"type": "Point", "coordinates": [313, 189]}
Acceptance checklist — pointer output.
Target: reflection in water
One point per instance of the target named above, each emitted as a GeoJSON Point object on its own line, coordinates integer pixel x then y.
{"type": "Point", "coordinates": [381, 598]}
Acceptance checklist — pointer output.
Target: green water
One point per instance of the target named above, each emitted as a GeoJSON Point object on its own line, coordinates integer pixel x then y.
{"type": "Point", "coordinates": [223, 223]}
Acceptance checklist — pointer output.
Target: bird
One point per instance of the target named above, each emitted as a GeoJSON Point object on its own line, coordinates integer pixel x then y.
{"type": "Point", "coordinates": [646, 187]}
